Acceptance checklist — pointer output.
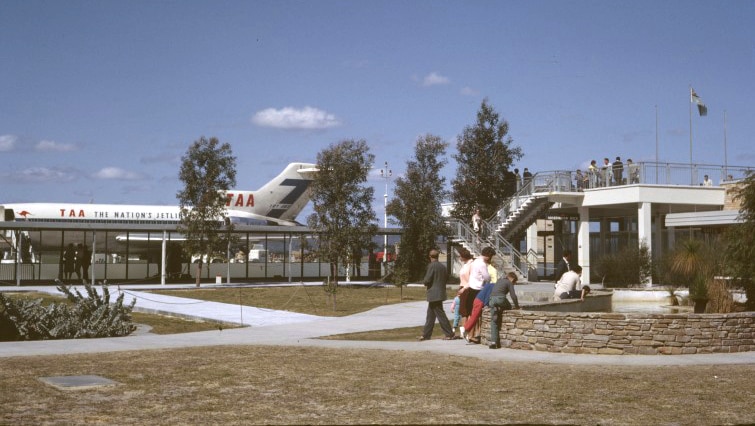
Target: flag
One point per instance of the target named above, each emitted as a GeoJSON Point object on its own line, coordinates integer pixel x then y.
{"type": "Point", "coordinates": [701, 108]}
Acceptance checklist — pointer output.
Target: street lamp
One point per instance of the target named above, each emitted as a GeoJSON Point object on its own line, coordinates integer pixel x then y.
{"type": "Point", "coordinates": [386, 174]}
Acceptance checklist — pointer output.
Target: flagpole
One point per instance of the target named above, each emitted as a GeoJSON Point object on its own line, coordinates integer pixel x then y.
{"type": "Point", "coordinates": [657, 165]}
{"type": "Point", "coordinates": [691, 175]}
{"type": "Point", "coordinates": [726, 159]}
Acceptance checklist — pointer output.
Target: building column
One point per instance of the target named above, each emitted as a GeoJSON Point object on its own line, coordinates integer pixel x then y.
{"type": "Point", "coordinates": [645, 230]}
{"type": "Point", "coordinates": [583, 243]}
{"type": "Point", "coordinates": [531, 243]}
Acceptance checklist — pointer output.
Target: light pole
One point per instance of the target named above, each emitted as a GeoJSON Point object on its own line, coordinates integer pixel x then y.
{"type": "Point", "coordinates": [386, 174]}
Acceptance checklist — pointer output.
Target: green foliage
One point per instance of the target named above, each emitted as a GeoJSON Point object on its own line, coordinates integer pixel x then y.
{"type": "Point", "coordinates": [208, 170]}
{"type": "Point", "coordinates": [740, 242]}
{"type": "Point", "coordinates": [694, 263]}
{"type": "Point", "coordinates": [630, 266]}
{"type": "Point", "coordinates": [417, 207]}
{"type": "Point", "coordinates": [84, 317]}
{"type": "Point", "coordinates": [343, 217]}
{"type": "Point", "coordinates": [485, 155]}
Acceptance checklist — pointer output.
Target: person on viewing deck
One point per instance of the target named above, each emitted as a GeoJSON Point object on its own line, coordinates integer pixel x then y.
{"type": "Point", "coordinates": [592, 173]}
{"type": "Point", "coordinates": [633, 171]}
{"type": "Point", "coordinates": [606, 172]}
{"type": "Point", "coordinates": [518, 178]}
{"type": "Point", "coordinates": [618, 171]}
{"type": "Point", "coordinates": [526, 176]}
{"type": "Point", "coordinates": [579, 180]}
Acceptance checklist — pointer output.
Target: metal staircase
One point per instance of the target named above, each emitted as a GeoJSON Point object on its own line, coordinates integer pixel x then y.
{"type": "Point", "coordinates": [517, 213]}
{"type": "Point", "coordinates": [507, 259]}
{"type": "Point", "coordinates": [525, 214]}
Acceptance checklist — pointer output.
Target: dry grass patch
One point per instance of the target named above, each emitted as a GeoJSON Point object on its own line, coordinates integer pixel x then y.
{"type": "Point", "coordinates": [311, 300]}
{"type": "Point", "coordinates": [287, 385]}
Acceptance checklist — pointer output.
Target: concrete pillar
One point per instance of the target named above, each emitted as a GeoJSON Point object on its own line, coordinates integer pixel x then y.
{"type": "Point", "coordinates": [645, 230]}
{"type": "Point", "coordinates": [531, 240]}
{"type": "Point", "coordinates": [583, 243]}
{"type": "Point", "coordinates": [531, 243]}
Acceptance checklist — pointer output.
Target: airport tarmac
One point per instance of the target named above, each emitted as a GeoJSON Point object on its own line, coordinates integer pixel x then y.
{"type": "Point", "coordinates": [282, 328]}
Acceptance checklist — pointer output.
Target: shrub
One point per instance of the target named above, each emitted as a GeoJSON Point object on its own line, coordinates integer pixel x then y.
{"type": "Point", "coordinates": [720, 298]}
{"type": "Point", "coordinates": [86, 316]}
{"type": "Point", "coordinates": [631, 265]}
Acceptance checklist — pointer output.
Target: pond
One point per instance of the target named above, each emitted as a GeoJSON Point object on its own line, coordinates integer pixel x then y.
{"type": "Point", "coordinates": [654, 307]}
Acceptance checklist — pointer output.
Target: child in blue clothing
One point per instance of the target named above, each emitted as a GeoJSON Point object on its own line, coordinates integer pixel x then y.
{"type": "Point", "coordinates": [456, 313]}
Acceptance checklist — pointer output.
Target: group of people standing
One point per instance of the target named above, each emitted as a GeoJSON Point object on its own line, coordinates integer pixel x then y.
{"type": "Point", "coordinates": [608, 174]}
{"type": "Point", "coordinates": [479, 287]}
{"type": "Point", "coordinates": [76, 259]}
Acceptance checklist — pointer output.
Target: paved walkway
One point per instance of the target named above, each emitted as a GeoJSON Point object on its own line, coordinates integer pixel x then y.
{"type": "Point", "coordinates": [281, 328]}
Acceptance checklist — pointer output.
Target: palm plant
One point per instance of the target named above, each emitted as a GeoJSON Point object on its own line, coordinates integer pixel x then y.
{"type": "Point", "coordinates": [694, 263]}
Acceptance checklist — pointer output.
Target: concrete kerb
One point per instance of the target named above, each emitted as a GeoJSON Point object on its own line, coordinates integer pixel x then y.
{"type": "Point", "coordinates": [280, 328]}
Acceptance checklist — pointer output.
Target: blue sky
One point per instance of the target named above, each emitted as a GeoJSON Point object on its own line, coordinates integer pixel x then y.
{"type": "Point", "coordinates": [100, 99]}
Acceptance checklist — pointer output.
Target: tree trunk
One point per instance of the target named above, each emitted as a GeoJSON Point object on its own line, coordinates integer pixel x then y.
{"type": "Point", "coordinates": [199, 272]}
{"type": "Point", "coordinates": [334, 272]}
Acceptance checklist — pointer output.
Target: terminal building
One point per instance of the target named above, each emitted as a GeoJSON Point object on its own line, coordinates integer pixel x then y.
{"type": "Point", "coordinates": [655, 204]}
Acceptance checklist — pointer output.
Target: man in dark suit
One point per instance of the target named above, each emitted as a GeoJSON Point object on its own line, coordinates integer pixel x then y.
{"type": "Point", "coordinates": [435, 282]}
{"type": "Point", "coordinates": [563, 265]}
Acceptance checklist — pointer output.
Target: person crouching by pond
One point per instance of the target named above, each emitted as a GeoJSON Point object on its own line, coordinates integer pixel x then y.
{"type": "Point", "coordinates": [435, 282]}
{"type": "Point", "coordinates": [570, 286]}
{"type": "Point", "coordinates": [499, 303]}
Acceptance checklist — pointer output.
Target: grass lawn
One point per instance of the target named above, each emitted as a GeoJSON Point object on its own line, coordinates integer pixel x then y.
{"type": "Point", "coordinates": [311, 300]}
{"type": "Point", "coordinates": [300, 385]}
{"type": "Point", "coordinates": [295, 385]}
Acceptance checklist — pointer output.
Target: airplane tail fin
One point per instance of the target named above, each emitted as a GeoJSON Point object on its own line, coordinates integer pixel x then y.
{"type": "Point", "coordinates": [281, 199]}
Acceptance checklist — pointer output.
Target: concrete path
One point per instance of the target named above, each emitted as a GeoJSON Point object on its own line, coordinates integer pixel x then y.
{"type": "Point", "coordinates": [281, 328]}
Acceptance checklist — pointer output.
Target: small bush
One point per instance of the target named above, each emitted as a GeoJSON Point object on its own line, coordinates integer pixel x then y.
{"type": "Point", "coordinates": [720, 300]}
{"type": "Point", "coordinates": [90, 316]}
{"type": "Point", "coordinates": [631, 265]}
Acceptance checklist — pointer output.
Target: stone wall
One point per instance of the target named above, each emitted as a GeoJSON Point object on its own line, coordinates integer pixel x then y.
{"type": "Point", "coordinates": [618, 334]}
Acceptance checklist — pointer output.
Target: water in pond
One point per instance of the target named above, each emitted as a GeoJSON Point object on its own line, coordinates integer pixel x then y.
{"type": "Point", "coordinates": [654, 307]}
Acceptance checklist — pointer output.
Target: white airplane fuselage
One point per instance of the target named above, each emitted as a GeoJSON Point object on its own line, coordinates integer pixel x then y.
{"type": "Point", "coordinates": [277, 203]}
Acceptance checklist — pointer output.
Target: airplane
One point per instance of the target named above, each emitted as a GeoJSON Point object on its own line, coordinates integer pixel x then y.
{"type": "Point", "coordinates": [278, 202]}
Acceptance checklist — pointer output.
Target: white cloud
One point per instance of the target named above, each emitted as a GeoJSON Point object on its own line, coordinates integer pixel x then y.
{"type": "Point", "coordinates": [307, 118]}
{"type": "Point", "coordinates": [116, 173]}
{"type": "Point", "coordinates": [43, 174]}
{"type": "Point", "coordinates": [434, 79]}
{"type": "Point", "coordinates": [45, 145]}
{"type": "Point", "coordinates": [468, 91]}
{"type": "Point", "coordinates": [7, 142]}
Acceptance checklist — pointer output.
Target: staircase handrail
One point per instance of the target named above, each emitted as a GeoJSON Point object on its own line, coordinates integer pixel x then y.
{"type": "Point", "coordinates": [519, 262]}
{"type": "Point", "coordinates": [541, 182]}
{"type": "Point", "coordinates": [488, 236]}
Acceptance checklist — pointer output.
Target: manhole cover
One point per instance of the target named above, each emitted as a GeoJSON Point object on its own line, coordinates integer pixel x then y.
{"type": "Point", "coordinates": [77, 382]}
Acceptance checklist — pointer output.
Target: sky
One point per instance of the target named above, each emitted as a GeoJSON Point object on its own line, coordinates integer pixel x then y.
{"type": "Point", "coordinates": [100, 99]}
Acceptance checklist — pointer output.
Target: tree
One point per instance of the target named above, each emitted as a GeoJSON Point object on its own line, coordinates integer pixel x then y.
{"type": "Point", "coordinates": [208, 170]}
{"type": "Point", "coordinates": [485, 154]}
{"type": "Point", "coordinates": [343, 217]}
{"type": "Point", "coordinates": [740, 241]}
{"type": "Point", "coordinates": [416, 207]}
